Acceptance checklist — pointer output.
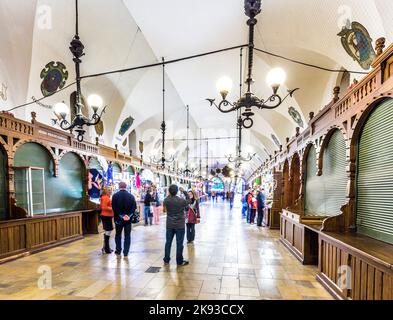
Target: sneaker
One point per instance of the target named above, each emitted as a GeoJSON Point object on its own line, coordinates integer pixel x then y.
{"type": "Point", "coordinates": [184, 263]}
{"type": "Point", "coordinates": [166, 263]}
{"type": "Point", "coordinates": [118, 253]}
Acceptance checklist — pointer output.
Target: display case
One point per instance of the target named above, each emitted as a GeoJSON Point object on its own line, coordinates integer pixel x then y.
{"type": "Point", "coordinates": [30, 190]}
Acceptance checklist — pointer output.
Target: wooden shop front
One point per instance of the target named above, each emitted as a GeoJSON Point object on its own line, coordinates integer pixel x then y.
{"type": "Point", "coordinates": [337, 187]}
{"type": "Point", "coordinates": [44, 198]}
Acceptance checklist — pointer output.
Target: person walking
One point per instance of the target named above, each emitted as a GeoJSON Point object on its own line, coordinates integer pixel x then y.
{"type": "Point", "coordinates": [261, 206]}
{"type": "Point", "coordinates": [249, 201]}
{"type": "Point", "coordinates": [231, 196]}
{"type": "Point", "coordinates": [106, 218]}
{"type": "Point", "coordinates": [175, 223]}
{"type": "Point", "coordinates": [253, 203]}
{"type": "Point", "coordinates": [214, 196]}
{"type": "Point", "coordinates": [244, 205]}
{"type": "Point", "coordinates": [156, 206]}
{"type": "Point", "coordinates": [192, 216]}
{"type": "Point", "coordinates": [124, 206]}
{"type": "Point", "coordinates": [148, 208]}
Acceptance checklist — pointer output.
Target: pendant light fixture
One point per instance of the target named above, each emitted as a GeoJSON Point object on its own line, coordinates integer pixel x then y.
{"type": "Point", "coordinates": [275, 78]}
{"type": "Point", "coordinates": [163, 160]}
{"type": "Point", "coordinates": [61, 110]}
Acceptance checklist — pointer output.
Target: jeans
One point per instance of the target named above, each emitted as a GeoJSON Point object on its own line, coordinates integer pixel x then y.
{"type": "Point", "coordinates": [248, 214]}
{"type": "Point", "coordinates": [170, 233]}
{"type": "Point", "coordinates": [252, 215]}
{"type": "Point", "coordinates": [260, 217]}
{"type": "Point", "coordinates": [148, 218]}
{"type": "Point", "coordinates": [244, 210]}
{"type": "Point", "coordinates": [190, 231]}
{"type": "Point", "coordinates": [127, 236]}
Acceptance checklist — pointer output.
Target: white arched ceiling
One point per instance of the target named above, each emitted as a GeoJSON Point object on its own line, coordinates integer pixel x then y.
{"type": "Point", "coordinates": [127, 33]}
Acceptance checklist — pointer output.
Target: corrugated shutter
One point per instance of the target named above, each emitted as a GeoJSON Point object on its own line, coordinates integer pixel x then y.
{"type": "Point", "coordinates": [3, 212]}
{"type": "Point", "coordinates": [334, 174]}
{"type": "Point", "coordinates": [314, 203]}
{"type": "Point", "coordinates": [375, 175]}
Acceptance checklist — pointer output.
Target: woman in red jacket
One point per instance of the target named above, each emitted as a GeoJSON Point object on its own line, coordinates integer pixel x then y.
{"type": "Point", "coordinates": [106, 218]}
{"type": "Point", "coordinates": [253, 204]}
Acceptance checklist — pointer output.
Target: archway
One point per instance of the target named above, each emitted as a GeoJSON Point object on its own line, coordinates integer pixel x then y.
{"type": "Point", "coordinates": [295, 178]}
{"type": "Point", "coordinates": [69, 184]}
{"type": "Point", "coordinates": [375, 175]}
{"type": "Point", "coordinates": [286, 186]}
{"type": "Point", "coordinates": [33, 179]}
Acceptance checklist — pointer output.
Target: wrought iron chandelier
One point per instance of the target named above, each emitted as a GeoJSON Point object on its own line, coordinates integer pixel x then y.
{"type": "Point", "coordinates": [163, 160]}
{"type": "Point", "coordinates": [275, 78]}
{"type": "Point", "coordinates": [61, 110]}
{"type": "Point", "coordinates": [239, 159]}
{"type": "Point", "coordinates": [187, 172]}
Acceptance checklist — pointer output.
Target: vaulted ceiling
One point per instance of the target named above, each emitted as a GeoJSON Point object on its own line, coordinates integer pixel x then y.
{"type": "Point", "coordinates": [127, 33]}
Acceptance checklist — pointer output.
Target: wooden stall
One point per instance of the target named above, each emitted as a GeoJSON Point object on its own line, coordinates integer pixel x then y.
{"type": "Point", "coordinates": [61, 163]}
{"type": "Point", "coordinates": [337, 187]}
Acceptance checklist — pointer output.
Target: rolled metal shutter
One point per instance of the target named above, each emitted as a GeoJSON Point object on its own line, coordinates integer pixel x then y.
{"type": "Point", "coordinates": [314, 192]}
{"type": "Point", "coordinates": [375, 175]}
{"type": "Point", "coordinates": [334, 174]}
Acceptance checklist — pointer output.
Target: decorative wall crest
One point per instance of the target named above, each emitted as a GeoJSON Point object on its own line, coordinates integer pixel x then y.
{"type": "Point", "coordinates": [357, 43]}
{"type": "Point", "coordinates": [126, 124]}
{"type": "Point", "coordinates": [3, 92]}
{"type": "Point", "coordinates": [54, 77]}
{"type": "Point", "coordinates": [296, 116]}
{"type": "Point", "coordinates": [276, 141]}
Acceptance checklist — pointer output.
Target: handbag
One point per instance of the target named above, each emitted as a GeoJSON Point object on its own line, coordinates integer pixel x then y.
{"type": "Point", "coordinates": [151, 211]}
{"type": "Point", "coordinates": [191, 216]}
{"type": "Point", "coordinates": [135, 217]}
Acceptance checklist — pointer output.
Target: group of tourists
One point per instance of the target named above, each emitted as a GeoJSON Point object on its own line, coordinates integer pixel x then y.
{"type": "Point", "coordinates": [151, 206]}
{"type": "Point", "coordinates": [253, 205]}
{"type": "Point", "coordinates": [182, 215]}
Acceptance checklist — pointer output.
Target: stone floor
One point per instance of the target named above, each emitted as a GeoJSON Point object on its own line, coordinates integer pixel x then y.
{"type": "Point", "coordinates": [229, 260]}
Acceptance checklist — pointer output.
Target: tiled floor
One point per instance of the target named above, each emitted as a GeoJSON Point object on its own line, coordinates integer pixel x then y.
{"type": "Point", "coordinates": [229, 260]}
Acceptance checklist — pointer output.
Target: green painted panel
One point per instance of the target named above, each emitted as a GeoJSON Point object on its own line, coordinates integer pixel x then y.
{"type": "Point", "coordinates": [314, 198]}
{"type": "Point", "coordinates": [116, 168]}
{"type": "Point", "coordinates": [131, 170]}
{"type": "Point", "coordinates": [69, 184]}
{"type": "Point", "coordinates": [335, 175]}
{"type": "Point", "coordinates": [95, 164]}
{"type": "Point", "coordinates": [63, 193]}
{"type": "Point", "coordinates": [3, 192]}
{"type": "Point", "coordinates": [375, 175]}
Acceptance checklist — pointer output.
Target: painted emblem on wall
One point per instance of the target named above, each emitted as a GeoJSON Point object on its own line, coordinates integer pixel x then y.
{"type": "Point", "coordinates": [54, 77]}
{"type": "Point", "coordinates": [127, 123]}
{"type": "Point", "coordinates": [274, 138]}
{"type": "Point", "coordinates": [99, 127]}
{"type": "Point", "coordinates": [3, 92]}
{"type": "Point", "coordinates": [296, 116]}
{"type": "Point", "coordinates": [357, 43]}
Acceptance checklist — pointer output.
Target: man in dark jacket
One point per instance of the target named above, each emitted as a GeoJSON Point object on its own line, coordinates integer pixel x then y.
{"type": "Point", "coordinates": [261, 206]}
{"type": "Point", "coordinates": [124, 206]}
{"type": "Point", "coordinates": [175, 223]}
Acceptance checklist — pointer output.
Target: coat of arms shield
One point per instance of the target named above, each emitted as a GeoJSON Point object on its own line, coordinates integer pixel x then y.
{"type": "Point", "coordinates": [358, 44]}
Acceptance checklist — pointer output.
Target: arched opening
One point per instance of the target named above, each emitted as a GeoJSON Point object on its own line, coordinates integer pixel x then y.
{"type": "Point", "coordinates": [3, 184]}
{"type": "Point", "coordinates": [295, 178]}
{"type": "Point", "coordinates": [334, 173]}
{"type": "Point", "coordinates": [374, 183]}
{"type": "Point", "coordinates": [95, 179]}
{"type": "Point", "coordinates": [33, 176]}
{"type": "Point", "coordinates": [68, 186]}
{"type": "Point", "coordinates": [314, 186]}
{"type": "Point", "coordinates": [286, 186]}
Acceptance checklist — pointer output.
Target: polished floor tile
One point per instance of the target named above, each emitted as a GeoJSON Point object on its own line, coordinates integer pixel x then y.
{"type": "Point", "coordinates": [229, 259]}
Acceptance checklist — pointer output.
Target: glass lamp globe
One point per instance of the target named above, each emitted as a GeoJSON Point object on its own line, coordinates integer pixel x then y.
{"type": "Point", "coordinates": [224, 86]}
{"type": "Point", "coordinates": [95, 102]}
{"type": "Point", "coordinates": [62, 110]}
{"type": "Point", "coordinates": [275, 78]}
